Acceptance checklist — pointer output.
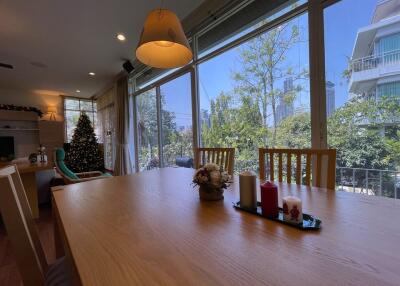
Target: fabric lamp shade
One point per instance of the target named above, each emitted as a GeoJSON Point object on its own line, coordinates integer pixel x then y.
{"type": "Point", "coordinates": [51, 109]}
{"type": "Point", "coordinates": [163, 44]}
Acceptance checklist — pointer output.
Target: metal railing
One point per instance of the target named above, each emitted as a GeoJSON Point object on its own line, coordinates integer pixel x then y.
{"type": "Point", "coordinates": [374, 61]}
{"type": "Point", "coordinates": [368, 181]}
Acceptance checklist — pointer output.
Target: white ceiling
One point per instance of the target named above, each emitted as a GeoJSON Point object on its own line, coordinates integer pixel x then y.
{"type": "Point", "coordinates": [71, 38]}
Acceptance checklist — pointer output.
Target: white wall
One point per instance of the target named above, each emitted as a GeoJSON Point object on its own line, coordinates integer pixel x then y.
{"type": "Point", "coordinates": [39, 100]}
{"type": "Point", "coordinates": [26, 142]}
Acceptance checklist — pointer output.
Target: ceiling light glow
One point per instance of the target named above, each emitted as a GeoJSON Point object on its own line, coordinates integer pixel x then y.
{"type": "Point", "coordinates": [121, 37]}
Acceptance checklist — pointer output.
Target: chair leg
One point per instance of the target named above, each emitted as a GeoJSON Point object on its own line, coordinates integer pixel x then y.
{"type": "Point", "coordinates": [59, 247]}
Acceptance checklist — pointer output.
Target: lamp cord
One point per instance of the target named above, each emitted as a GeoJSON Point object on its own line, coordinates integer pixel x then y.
{"type": "Point", "coordinates": [161, 6]}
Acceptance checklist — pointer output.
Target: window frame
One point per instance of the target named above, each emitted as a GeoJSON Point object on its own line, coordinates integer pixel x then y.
{"type": "Point", "coordinates": [315, 10]}
{"type": "Point", "coordinates": [157, 86]}
{"type": "Point", "coordinates": [65, 110]}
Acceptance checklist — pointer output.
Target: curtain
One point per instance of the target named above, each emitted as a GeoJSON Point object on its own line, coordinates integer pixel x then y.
{"type": "Point", "coordinates": [106, 125]}
{"type": "Point", "coordinates": [123, 163]}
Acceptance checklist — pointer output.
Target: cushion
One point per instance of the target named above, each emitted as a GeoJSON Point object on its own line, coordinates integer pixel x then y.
{"type": "Point", "coordinates": [60, 155]}
{"type": "Point", "coordinates": [59, 274]}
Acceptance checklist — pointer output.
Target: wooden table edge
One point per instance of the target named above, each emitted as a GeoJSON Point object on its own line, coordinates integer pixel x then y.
{"type": "Point", "coordinates": [62, 246]}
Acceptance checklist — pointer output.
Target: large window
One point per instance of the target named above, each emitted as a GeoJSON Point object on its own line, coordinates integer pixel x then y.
{"type": "Point", "coordinates": [164, 120]}
{"type": "Point", "coordinates": [72, 110]}
{"type": "Point", "coordinates": [363, 71]}
{"type": "Point", "coordinates": [257, 94]}
{"type": "Point", "coordinates": [147, 130]}
{"type": "Point", "coordinates": [255, 85]}
{"type": "Point", "coordinates": [243, 21]}
{"type": "Point", "coordinates": [176, 122]}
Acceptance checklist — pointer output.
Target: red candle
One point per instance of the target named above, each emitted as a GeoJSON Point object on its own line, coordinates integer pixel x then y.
{"type": "Point", "coordinates": [269, 199]}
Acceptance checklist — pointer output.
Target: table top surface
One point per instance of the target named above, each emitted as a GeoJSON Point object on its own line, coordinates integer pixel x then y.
{"type": "Point", "coordinates": [27, 167]}
{"type": "Point", "coordinates": [151, 228]}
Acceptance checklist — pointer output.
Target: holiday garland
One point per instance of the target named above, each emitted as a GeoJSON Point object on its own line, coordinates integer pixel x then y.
{"type": "Point", "coordinates": [21, 108]}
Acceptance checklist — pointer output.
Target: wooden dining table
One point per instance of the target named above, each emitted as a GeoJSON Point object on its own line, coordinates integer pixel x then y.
{"type": "Point", "coordinates": [29, 173]}
{"type": "Point", "coordinates": [150, 228]}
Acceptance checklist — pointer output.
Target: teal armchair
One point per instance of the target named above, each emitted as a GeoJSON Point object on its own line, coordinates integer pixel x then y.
{"type": "Point", "coordinates": [71, 177]}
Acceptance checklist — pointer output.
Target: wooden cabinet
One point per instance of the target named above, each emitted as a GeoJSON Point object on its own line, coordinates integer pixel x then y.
{"type": "Point", "coordinates": [51, 135]}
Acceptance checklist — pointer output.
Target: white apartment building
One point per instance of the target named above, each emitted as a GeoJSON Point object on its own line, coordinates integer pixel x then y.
{"type": "Point", "coordinates": [375, 61]}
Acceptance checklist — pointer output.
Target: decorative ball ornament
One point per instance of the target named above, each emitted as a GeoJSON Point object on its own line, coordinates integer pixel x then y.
{"type": "Point", "coordinates": [163, 43]}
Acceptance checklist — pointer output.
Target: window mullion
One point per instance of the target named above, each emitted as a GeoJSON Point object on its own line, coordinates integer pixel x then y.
{"type": "Point", "coordinates": [196, 127]}
{"type": "Point", "coordinates": [159, 125]}
{"type": "Point", "coordinates": [317, 75]}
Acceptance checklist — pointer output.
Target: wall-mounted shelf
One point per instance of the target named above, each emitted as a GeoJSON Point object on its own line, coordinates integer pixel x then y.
{"type": "Point", "coordinates": [19, 129]}
{"type": "Point", "coordinates": [11, 115]}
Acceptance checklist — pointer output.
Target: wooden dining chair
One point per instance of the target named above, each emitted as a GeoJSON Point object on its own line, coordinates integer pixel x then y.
{"type": "Point", "coordinates": [224, 157]}
{"type": "Point", "coordinates": [23, 234]}
{"type": "Point", "coordinates": [321, 161]}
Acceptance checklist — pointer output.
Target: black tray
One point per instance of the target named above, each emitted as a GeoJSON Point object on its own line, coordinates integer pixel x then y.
{"type": "Point", "coordinates": [309, 222]}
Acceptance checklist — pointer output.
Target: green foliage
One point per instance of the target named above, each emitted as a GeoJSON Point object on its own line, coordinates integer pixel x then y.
{"type": "Point", "coordinates": [356, 130]}
{"type": "Point", "coordinates": [84, 154]}
{"type": "Point", "coordinates": [262, 66]}
{"type": "Point", "coordinates": [236, 125]}
{"type": "Point", "coordinates": [295, 131]}
{"type": "Point", "coordinates": [176, 142]}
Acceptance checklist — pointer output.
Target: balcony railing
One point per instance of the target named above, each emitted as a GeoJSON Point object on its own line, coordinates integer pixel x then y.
{"type": "Point", "coordinates": [374, 61]}
{"type": "Point", "coordinates": [374, 182]}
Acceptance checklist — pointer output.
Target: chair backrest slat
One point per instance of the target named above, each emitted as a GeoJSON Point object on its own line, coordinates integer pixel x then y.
{"type": "Point", "coordinates": [289, 168]}
{"type": "Point", "coordinates": [298, 169]}
{"type": "Point", "coordinates": [313, 157]}
{"type": "Point", "coordinates": [318, 167]}
{"type": "Point", "coordinates": [308, 170]}
{"type": "Point", "coordinates": [222, 156]}
{"type": "Point", "coordinates": [21, 228]}
{"type": "Point", "coordinates": [280, 167]}
{"type": "Point", "coordinates": [271, 167]}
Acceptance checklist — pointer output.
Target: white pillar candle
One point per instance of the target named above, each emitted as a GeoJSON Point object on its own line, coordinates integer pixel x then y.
{"type": "Point", "coordinates": [248, 190]}
{"type": "Point", "coordinates": [292, 209]}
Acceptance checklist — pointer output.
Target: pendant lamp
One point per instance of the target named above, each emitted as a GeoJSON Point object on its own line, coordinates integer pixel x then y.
{"type": "Point", "coordinates": [163, 44]}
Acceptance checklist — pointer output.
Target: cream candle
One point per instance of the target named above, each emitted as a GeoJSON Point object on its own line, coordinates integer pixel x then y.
{"type": "Point", "coordinates": [248, 190]}
{"type": "Point", "coordinates": [292, 209]}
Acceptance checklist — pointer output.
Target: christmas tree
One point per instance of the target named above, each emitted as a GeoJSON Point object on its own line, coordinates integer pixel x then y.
{"type": "Point", "coordinates": [84, 154]}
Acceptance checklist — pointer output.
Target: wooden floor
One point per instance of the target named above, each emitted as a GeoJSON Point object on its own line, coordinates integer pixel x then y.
{"type": "Point", "coordinates": [9, 275]}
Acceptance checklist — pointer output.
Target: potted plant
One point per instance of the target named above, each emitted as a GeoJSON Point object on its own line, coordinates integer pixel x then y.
{"type": "Point", "coordinates": [212, 181]}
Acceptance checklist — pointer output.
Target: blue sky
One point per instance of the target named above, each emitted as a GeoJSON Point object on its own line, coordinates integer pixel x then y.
{"type": "Point", "coordinates": [177, 95]}
{"type": "Point", "coordinates": [342, 20]}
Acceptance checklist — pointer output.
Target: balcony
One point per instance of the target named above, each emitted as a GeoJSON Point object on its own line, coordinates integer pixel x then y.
{"type": "Point", "coordinates": [373, 182]}
{"type": "Point", "coordinates": [370, 68]}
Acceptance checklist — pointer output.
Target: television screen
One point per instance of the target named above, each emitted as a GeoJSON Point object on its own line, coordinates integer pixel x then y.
{"type": "Point", "coordinates": [7, 146]}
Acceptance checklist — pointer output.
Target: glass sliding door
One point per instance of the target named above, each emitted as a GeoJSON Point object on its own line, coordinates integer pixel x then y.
{"type": "Point", "coordinates": [176, 122]}
{"type": "Point", "coordinates": [147, 130]}
{"type": "Point", "coordinates": [362, 59]}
